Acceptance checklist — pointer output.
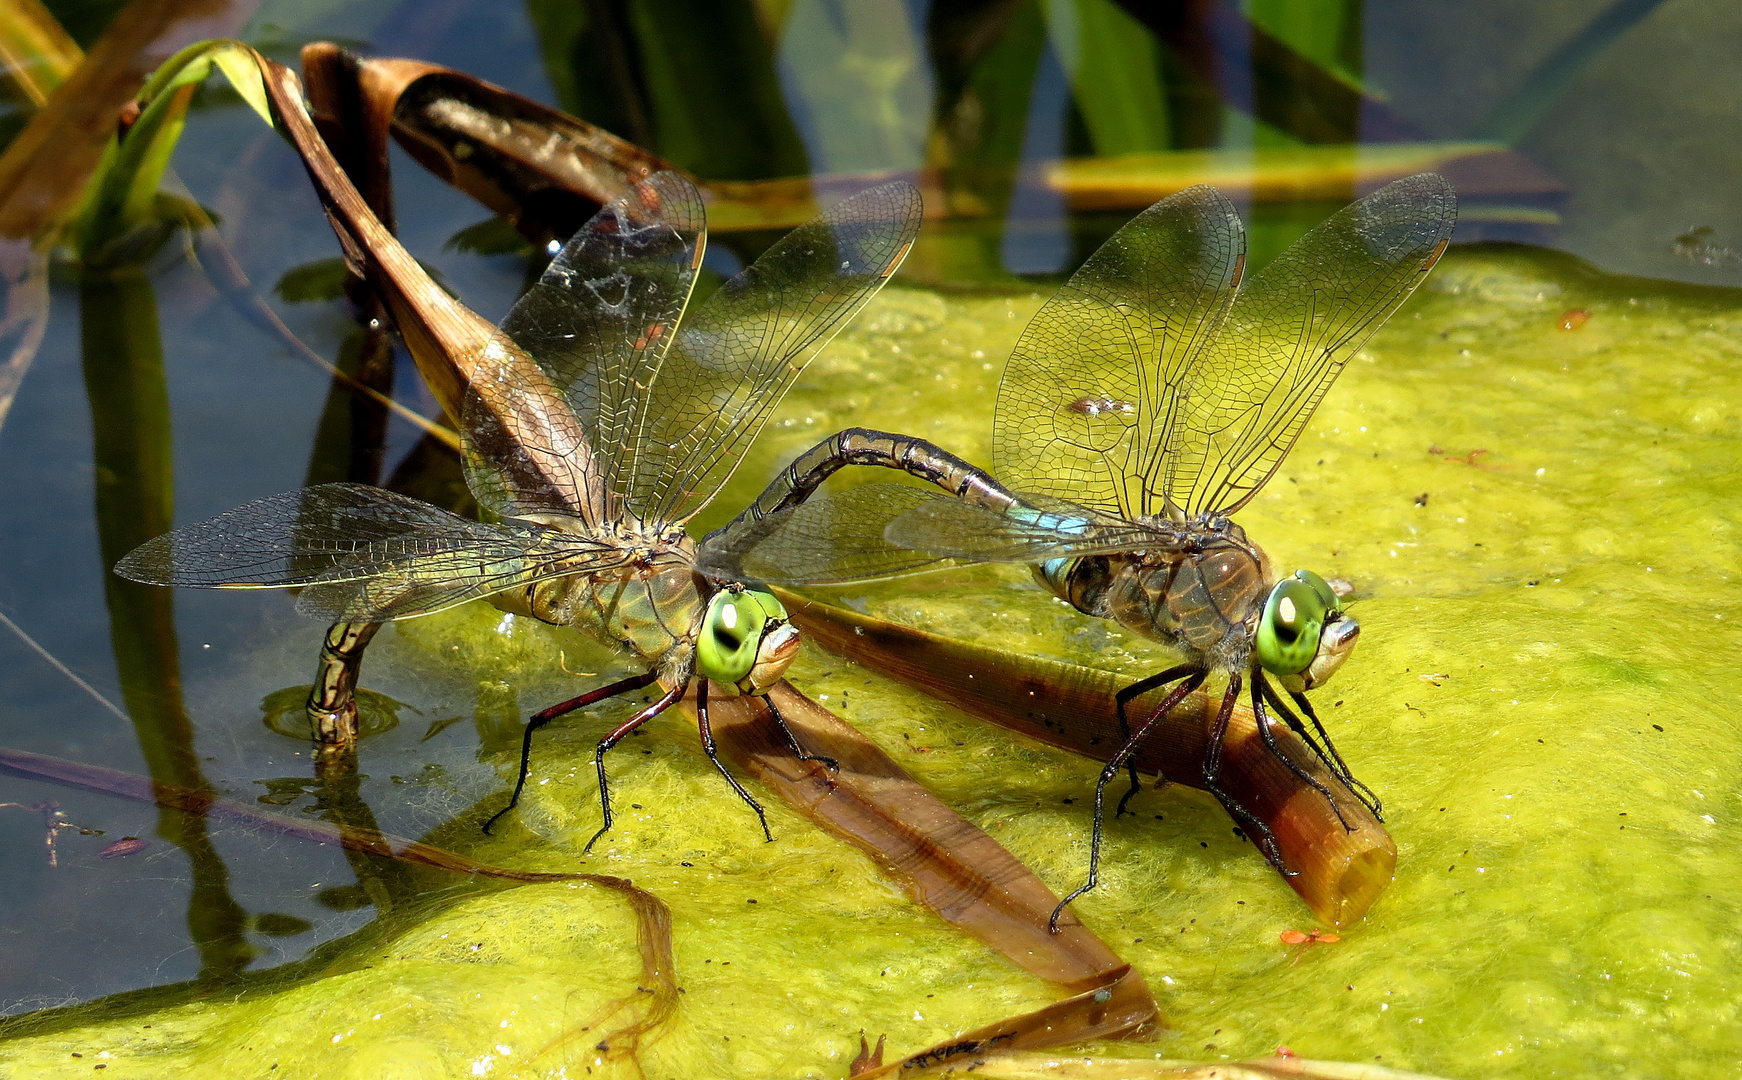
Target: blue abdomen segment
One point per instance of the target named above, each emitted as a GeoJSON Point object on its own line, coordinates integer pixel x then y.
{"type": "Point", "coordinates": [1051, 522]}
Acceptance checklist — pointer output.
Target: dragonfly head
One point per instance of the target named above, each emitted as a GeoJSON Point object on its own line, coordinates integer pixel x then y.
{"type": "Point", "coordinates": [1303, 635]}
{"type": "Point", "coordinates": [746, 640]}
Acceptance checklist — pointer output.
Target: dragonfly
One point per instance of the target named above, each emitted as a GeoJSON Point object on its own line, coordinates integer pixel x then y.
{"type": "Point", "coordinates": [1145, 404]}
{"type": "Point", "coordinates": [598, 419]}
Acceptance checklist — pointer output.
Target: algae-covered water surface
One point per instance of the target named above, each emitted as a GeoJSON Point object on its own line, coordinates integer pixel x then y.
{"type": "Point", "coordinates": [1529, 477]}
{"type": "Point", "coordinates": [1539, 523]}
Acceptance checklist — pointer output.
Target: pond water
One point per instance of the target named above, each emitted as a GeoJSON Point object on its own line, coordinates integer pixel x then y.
{"type": "Point", "coordinates": [1540, 523]}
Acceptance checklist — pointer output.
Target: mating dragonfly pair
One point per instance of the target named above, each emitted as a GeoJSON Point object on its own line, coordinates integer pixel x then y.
{"type": "Point", "coordinates": [1149, 400]}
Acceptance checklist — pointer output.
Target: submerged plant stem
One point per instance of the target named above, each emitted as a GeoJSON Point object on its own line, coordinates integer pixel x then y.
{"type": "Point", "coordinates": [204, 804]}
{"type": "Point", "coordinates": [132, 453]}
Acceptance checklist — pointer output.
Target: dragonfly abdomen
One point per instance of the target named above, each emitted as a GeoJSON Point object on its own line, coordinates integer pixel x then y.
{"type": "Point", "coordinates": [1081, 582]}
{"type": "Point", "coordinates": [866, 446]}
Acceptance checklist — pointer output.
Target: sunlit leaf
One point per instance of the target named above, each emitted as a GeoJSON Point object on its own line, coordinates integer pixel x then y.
{"type": "Point", "coordinates": [120, 221]}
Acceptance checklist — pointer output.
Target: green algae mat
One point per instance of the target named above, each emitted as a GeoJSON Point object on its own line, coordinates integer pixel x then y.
{"type": "Point", "coordinates": [1530, 477]}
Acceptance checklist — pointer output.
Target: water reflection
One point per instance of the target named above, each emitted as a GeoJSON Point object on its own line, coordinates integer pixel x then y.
{"type": "Point", "coordinates": [135, 489]}
{"type": "Point", "coordinates": [857, 81]}
{"type": "Point", "coordinates": [1037, 238]}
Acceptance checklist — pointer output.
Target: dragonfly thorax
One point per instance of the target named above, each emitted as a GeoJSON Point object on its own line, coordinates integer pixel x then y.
{"type": "Point", "coordinates": [1207, 601]}
{"type": "Point", "coordinates": [1204, 595]}
{"type": "Point", "coordinates": [647, 605]}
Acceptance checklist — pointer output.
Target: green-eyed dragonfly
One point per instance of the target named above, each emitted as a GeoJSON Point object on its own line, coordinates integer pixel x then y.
{"type": "Point", "coordinates": [595, 425]}
{"type": "Point", "coordinates": [1144, 405]}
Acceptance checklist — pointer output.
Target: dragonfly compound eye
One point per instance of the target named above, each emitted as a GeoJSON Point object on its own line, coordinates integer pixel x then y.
{"type": "Point", "coordinates": [1332, 601]}
{"type": "Point", "coordinates": [1288, 633]}
{"type": "Point", "coordinates": [731, 635]}
{"type": "Point", "coordinates": [778, 647]}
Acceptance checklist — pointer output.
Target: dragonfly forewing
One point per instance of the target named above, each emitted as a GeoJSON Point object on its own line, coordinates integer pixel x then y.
{"type": "Point", "coordinates": [1290, 332]}
{"type": "Point", "coordinates": [1094, 389]}
{"type": "Point", "coordinates": [739, 351]}
{"type": "Point", "coordinates": [431, 583]}
{"type": "Point", "coordinates": [554, 401]}
{"type": "Point", "coordinates": [364, 553]}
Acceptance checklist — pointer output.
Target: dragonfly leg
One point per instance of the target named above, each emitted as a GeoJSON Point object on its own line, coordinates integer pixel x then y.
{"type": "Point", "coordinates": [1194, 678]}
{"type": "Point", "coordinates": [332, 700]}
{"type": "Point", "coordinates": [539, 719]}
{"type": "Point", "coordinates": [713, 753]}
{"type": "Point", "coordinates": [1332, 758]}
{"type": "Point", "coordinates": [671, 698]}
{"type": "Point", "coordinates": [1260, 692]}
{"type": "Point", "coordinates": [1130, 693]}
{"type": "Point", "coordinates": [792, 740]}
{"type": "Point", "coordinates": [1265, 839]}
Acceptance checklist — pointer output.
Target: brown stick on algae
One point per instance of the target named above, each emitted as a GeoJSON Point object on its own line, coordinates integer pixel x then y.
{"type": "Point", "coordinates": [942, 860]}
{"type": "Point", "coordinates": [1340, 872]}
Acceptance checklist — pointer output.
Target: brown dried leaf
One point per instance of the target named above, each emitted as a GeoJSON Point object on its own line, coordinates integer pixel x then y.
{"type": "Point", "coordinates": [543, 170]}
{"type": "Point", "coordinates": [447, 339]}
{"type": "Point", "coordinates": [1120, 1008]}
{"type": "Point", "coordinates": [940, 858]}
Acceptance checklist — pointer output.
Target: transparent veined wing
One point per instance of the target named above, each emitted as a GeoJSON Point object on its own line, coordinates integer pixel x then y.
{"type": "Point", "coordinates": [828, 539]}
{"type": "Point", "coordinates": [428, 584]}
{"type": "Point", "coordinates": [886, 530]}
{"type": "Point", "coordinates": [597, 323]}
{"type": "Point", "coordinates": [1041, 529]}
{"type": "Point", "coordinates": [1090, 402]}
{"type": "Point", "coordinates": [739, 351]}
{"type": "Point", "coordinates": [366, 554]}
{"type": "Point", "coordinates": [1290, 332]}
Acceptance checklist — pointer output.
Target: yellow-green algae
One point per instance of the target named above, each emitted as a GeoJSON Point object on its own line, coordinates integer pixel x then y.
{"type": "Point", "coordinates": [1541, 528]}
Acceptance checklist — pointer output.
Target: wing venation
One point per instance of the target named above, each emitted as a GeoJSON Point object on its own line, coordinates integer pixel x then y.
{"type": "Point", "coordinates": [554, 404]}
{"type": "Point", "coordinates": [1092, 396]}
{"type": "Point", "coordinates": [740, 350]}
{"type": "Point", "coordinates": [364, 553]}
{"type": "Point", "coordinates": [1291, 331]}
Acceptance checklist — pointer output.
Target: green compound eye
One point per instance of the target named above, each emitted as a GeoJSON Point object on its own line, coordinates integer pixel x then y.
{"type": "Point", "coordinates": [732, 632]}
{"type": "Point", "coordinates": [771, 605]}
{"type": "Point", "coordinates": [1332, 601]}
{"type": "Point", "coordinates": [1288, 634]}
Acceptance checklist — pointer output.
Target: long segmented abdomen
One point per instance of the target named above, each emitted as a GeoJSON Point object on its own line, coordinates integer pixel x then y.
{"type": "Point", "coordinates": [866, 446]}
